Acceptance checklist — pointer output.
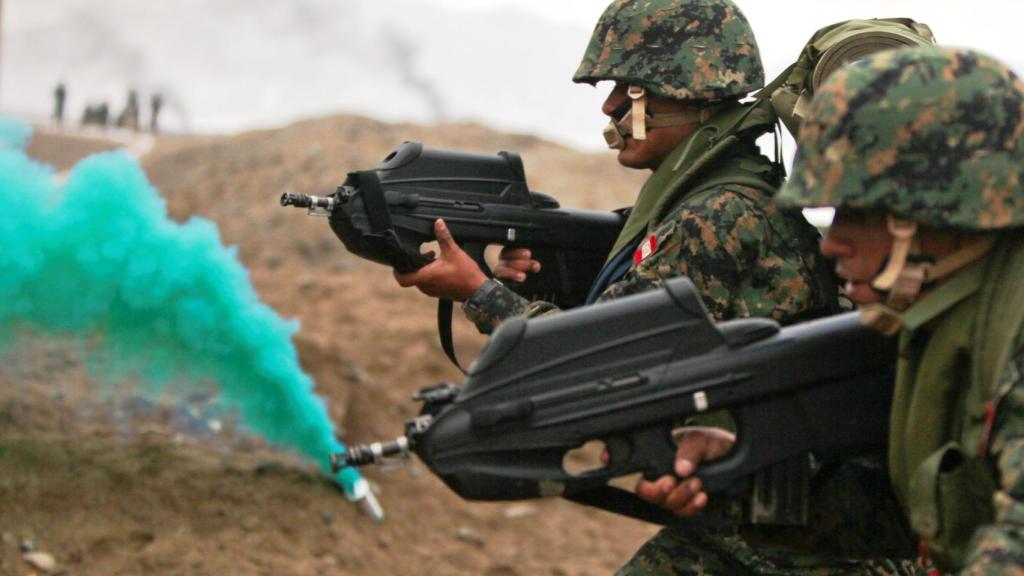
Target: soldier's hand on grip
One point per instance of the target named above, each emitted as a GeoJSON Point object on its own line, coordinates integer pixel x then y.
{"type": "Point", "coordinates": [683, 494]}
{"type": "Point", "coordinates": [453, 274]}
{"type": "Point", "coordinates": [515, 263]}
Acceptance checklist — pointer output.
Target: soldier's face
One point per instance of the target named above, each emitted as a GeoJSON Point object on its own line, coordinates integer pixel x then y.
{"type": "Point", "coordinates": [660, 142]}
{"type": "Point", "coordinates": [859, 241]}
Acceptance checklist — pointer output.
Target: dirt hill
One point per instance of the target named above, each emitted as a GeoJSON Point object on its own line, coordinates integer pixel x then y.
{"type": "Point", "coordinates": [111, 483]}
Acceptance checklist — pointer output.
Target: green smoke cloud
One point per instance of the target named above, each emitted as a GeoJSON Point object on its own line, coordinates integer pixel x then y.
{"type": "Point", "coordinates": [99, 259]}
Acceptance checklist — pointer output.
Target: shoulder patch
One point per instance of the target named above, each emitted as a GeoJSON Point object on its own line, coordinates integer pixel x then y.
{"type": "Point", "coordinates": [646, 248]}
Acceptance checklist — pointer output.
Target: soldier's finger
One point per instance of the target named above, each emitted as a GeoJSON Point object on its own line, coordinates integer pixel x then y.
{"type": "Point", "coordinates": [685, 467]}
{"type": "Point", "coordinates": [519, 258]}
{"type": "Point", "coordinates": [719, 443]}
{"type": "Point", "coordinates": [700, 444]}
{"type": "Point", "coordinates": [515, 264]}
{"type": "Point", "coordinates": [444, 236]}
{"type": "Point", "coordinates": [694, 507]}
{"type": "Point", "coordinates": [690, 454]}
{"type": "Point", "coordinates": [682, 494]}
{"type": "Point", "coordinates": [507, 273]}
{"type": "Point", "coordinates": [655, 492]}
{"type": "Point", "coordinates": [521, 265]}
{"type": "Point", "coordinates": [424, 278]}
{"type": "Point", "coordinates": [515, 254]}
{"type": "Point", "coordinates": [405, 280]}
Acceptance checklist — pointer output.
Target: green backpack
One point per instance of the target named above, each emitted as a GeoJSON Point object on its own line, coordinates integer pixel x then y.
{"type": "Point", "coordinates": [828, 49]}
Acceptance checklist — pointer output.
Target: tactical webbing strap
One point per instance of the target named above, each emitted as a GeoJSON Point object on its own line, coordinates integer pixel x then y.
{"type": "Point", "coordinates": [444, 331]}
{"type": "Point", "coordinates": [380, 223]}
{"type": "Point", "coordinates": [1002, 312]}
{"type": "Point", "coordinates": [376, 206]}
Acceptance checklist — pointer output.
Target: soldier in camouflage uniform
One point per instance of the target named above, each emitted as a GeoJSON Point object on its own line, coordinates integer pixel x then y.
{"type": "Point", "coordinates": [680, 68]}
{"type": "Point", "coordinates": [921, 152]}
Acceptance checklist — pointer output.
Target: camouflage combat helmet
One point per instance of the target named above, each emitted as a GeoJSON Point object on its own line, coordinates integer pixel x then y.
{"type": "Point", "coordinates": [680, 49]}
{"type": "Point", "coordinates": [927, 134]}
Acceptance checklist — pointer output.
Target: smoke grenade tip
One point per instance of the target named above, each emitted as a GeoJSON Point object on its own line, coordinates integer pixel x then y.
{"type": "Point", "coordinates": [360, 492]}
{"type": "Point", "coordinates": [372, 506]}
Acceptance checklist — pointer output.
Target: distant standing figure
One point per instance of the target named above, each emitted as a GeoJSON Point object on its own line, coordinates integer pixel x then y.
{"type": "Point", "coordinates": [59, 94]}
{"type": "Point", "coordinates": [96, 114]}
{"type": "Point", "coordinates": [102, 114]}
{"type": "Point", "coordinates": [155, 102]}
{"type": "Point", "coordinates": [129, 118]}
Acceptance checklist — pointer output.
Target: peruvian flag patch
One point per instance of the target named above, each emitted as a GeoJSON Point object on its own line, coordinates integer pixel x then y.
{"type": "Point", "coordinates": [646, 248]}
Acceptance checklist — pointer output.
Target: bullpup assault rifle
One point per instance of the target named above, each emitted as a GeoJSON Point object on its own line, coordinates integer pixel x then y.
{"type": "Point", "coordinates": [387, 213]}
{"type": "Point", "coordinates": [626, 373]}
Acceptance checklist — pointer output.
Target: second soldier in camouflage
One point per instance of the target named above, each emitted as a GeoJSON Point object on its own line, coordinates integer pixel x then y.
{"type": "Point", "coordinates": [680, 68]}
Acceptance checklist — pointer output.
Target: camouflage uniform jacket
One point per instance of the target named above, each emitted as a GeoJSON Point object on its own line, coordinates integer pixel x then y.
{"type": "Point", "coordinates": [957, 443]}
{"type": "Point", "coordinates": [746, 256]}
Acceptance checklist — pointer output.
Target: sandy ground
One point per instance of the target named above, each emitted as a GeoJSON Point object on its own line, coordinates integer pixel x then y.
{"type": "Point", "coordinates": [109, 482]}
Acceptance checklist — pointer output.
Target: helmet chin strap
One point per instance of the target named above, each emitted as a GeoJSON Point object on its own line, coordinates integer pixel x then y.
{"type": "Point", "coordinates": [906, 272]}
{"type": "Point", "coordinates": [900, 282]}
{"type": "Point", "coordinates": [636, 122]}
{"type": "Point", "coordinates": [639, 112]}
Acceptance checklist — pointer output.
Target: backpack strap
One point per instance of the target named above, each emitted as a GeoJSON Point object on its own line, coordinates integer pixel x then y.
{"type": "Point", "coordinates": [736, 178]}
{"type": "Point", "coordinates": [702, 165]}
{"type": "Point", "coordinates": [1002, 315]}
{"type": "Point", "coordinates": [444, 331]}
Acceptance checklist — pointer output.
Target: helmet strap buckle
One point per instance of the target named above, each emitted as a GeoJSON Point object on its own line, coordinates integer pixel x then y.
{"type": "Point", "coordinates": [638, 95]}
{"type": "Point", "coordinates": [902, 279]}
{"type": "Point", "coordinates": [902, 232]}
{"type": "Point", "coordinates": [902, 283]}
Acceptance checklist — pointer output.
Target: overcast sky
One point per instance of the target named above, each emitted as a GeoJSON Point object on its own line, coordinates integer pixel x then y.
{"type": "Point", "coordinates": [229, 65]}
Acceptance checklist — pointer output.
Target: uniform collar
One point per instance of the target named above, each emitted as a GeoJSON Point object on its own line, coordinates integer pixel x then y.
{"type": "Point", "coordinates": [954, 290]}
